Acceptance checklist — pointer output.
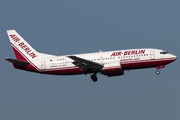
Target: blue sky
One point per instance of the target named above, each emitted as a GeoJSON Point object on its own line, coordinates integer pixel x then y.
{"type": "Point", "coordinates": [81, 26]}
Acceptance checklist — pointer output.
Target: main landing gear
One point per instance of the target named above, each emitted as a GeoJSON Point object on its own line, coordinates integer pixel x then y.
{"type": "Point", "coordinates": [94, 77]}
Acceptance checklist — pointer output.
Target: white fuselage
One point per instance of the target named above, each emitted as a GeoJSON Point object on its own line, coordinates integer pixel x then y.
{"type": "Point", "coordinates": [111, 63]}
{"type": "Point", "coordinates": [129, 59]}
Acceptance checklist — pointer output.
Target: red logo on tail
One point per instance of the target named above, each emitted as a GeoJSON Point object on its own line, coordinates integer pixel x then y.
{"type": "Point", "coordinates": [23, 46]}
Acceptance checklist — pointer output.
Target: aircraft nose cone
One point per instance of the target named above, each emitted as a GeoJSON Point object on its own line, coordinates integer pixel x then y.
{"type": "Point", "coordinates": [174, 57]}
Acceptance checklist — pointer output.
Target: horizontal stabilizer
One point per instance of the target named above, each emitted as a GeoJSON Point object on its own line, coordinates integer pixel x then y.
{"type": "Point", "coordinates": [16, 62]}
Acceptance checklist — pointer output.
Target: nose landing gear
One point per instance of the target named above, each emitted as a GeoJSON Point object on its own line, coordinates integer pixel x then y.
{"type": "Point", "coordinates": [158, 67]}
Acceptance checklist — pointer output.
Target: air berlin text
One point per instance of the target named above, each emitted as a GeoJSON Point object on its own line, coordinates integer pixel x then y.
{"type": "Point", "coordinates": [131, 52]}
{"type": "Point", "coordinates": [23, 46]}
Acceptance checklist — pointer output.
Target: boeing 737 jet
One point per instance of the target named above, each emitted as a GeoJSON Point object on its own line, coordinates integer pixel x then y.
{"type": "Point", "coordinates": [110, 63]}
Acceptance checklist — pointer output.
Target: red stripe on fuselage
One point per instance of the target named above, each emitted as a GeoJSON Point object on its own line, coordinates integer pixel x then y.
{"type": "Point", "coordinates": [145, 63]}
{"type": "Point", "coordinates": [125, 66]}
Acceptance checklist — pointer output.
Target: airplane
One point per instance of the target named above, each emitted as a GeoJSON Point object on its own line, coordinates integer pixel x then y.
{"type": "Point", "coordinates": [110, 63]}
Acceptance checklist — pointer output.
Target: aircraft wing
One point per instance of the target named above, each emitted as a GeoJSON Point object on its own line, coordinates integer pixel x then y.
{"type": "Point", "coordinates": [84, 63]}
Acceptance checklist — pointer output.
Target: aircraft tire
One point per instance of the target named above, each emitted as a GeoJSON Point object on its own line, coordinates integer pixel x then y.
{"type": "Point", "coordinates": [94, 78]}
{"type": "Point", "coordinates": [157, 72]}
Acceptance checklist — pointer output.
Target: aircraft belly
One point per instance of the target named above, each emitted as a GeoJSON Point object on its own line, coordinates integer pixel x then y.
{"type": "Point", "coordinates": [144, 64]}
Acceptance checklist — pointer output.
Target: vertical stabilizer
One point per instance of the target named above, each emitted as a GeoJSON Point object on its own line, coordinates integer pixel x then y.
{"type": "Point", "coordinates": [23, 51]}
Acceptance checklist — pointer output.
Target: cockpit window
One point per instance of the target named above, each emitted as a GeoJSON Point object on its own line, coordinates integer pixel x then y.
{"type": "Point", "coordinates": [163, 52]}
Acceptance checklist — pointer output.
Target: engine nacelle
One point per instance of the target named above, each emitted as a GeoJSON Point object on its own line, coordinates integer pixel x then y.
{"type": "Point", "coordinates": [112, 69]}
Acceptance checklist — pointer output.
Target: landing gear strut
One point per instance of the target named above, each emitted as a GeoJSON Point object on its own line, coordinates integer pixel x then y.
{"type": "Point", "coordinates": [158, 67]}
{"type": "Point", "coordinates": [94, 77]}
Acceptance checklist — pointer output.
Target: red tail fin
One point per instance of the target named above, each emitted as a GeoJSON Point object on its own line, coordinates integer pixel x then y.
{"type": "Point", "coordinates": [18, 55]}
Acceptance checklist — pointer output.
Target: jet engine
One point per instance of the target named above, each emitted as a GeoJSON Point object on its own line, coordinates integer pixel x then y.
{"type": "Point", "coordinates": [112, 69]}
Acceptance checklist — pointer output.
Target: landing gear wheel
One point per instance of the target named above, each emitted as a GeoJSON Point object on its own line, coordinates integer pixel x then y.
{"type": "Point", "coordinates": [157, 72]}
{"type": "Point", "coordinates": [94, 78]}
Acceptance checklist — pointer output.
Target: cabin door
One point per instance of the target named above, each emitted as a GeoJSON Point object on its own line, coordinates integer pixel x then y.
{"type": "Point", "coordinates": [43, 65]}
{"type": "Point", "coordinates": [152, 54]}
